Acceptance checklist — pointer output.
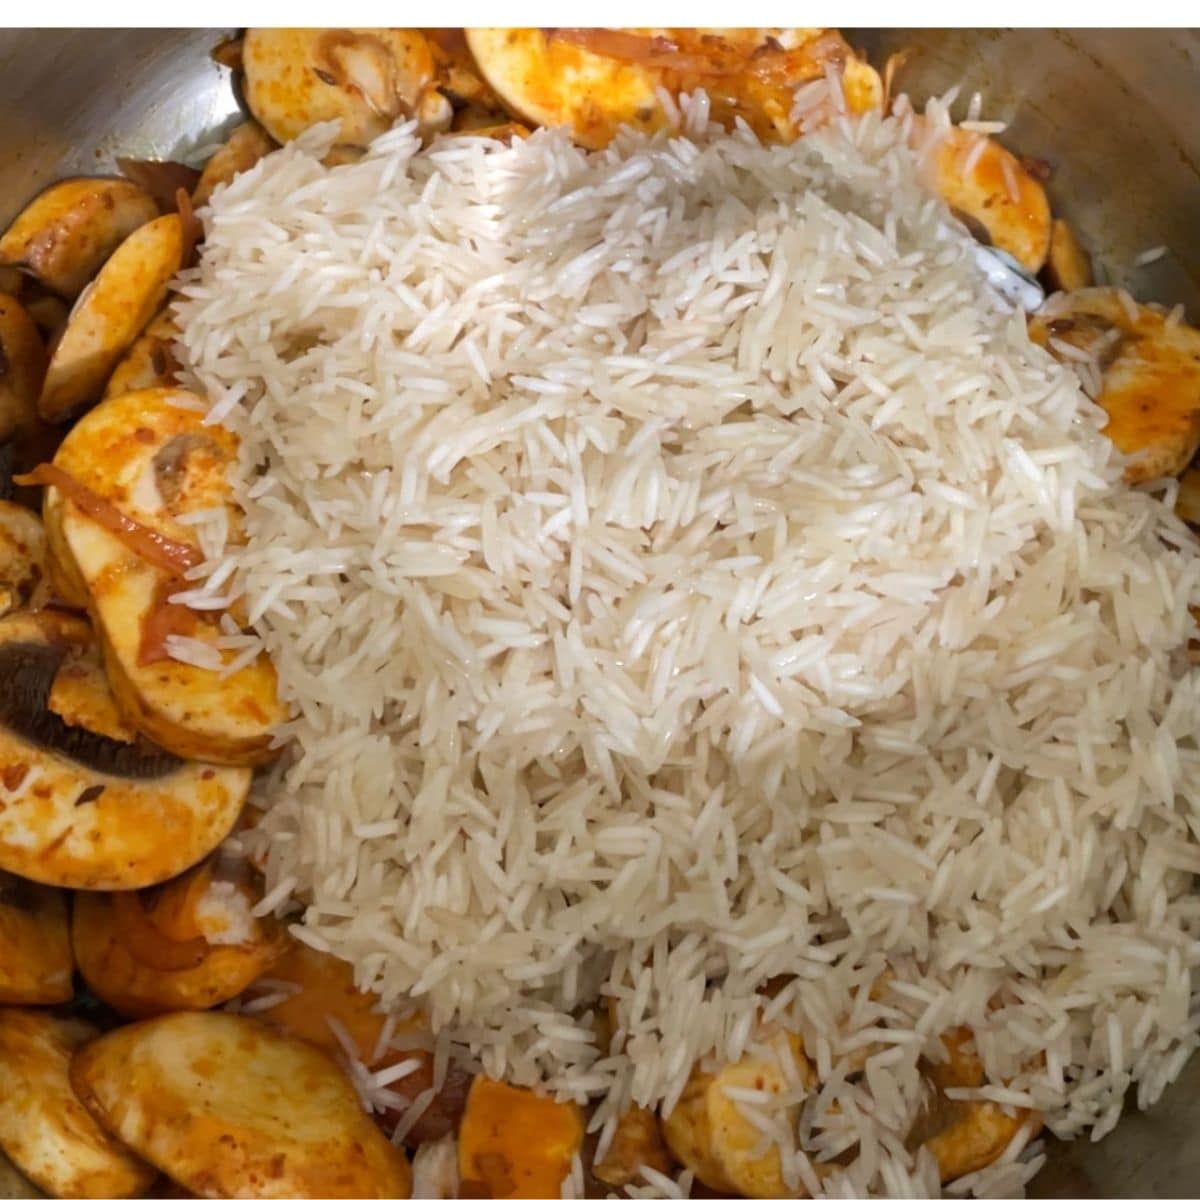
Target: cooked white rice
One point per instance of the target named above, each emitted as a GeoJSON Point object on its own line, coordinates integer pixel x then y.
{"type": "Point", "coordinates": [691, 575]}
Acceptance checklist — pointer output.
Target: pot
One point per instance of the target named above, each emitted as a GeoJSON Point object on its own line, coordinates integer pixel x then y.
{"type": "Point", "coordinates": [1109, 110]}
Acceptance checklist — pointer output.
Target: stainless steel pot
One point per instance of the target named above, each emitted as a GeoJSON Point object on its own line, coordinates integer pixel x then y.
{"type": "Point", "coordinates": [1111, 110]}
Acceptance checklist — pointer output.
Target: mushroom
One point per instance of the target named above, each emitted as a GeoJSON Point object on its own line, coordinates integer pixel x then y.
{"type": "Point", "coordinates": [1151, 373]}
{"type": "Point", "coordinates": [116, 307]}
{"type": "Point", "coordinates": [248, 143]}
{"type": "Point", "coordinates": [35, 943]}
{"type": "Point", "coordinates": [190, 943]}
{"type": "Point", "coordinates": [965, 1135]}
{"type": "Point", "coordinates": [1068, 267]}
{"type": "Point", "coordinates": [514, 1142]}
{"type": "Point", "coordinates": [228, 1107]}
{"type": "Point", "coordinates": [637, 1143]}
{"type": "Point", "coordinates": [48, 312]}
{"type": "Point", "coordinates": [1187, 503]}
{"type": "Point", "coordinates": [44, 1128]}
{"type": "Point", "coordinates": [64, 234]}
{"type": "Point", "coordinates": [366, 79]}
{"type": "Point", "coordinates": [150, 362]}
{"type": "Point", "coordinates": [322, 992]}
{"type": "Point", "coordinates": [83, 802]}
{"type": "Point", "coordinates": [992, 190]}
{"type": "Point", "coordinates": [708, 1133]}
{"type": "Point", "coordinates": [22, 557]}
{"type": "Point", "coordinates": [22, 367]}
{"type": "Point", "coordinates": [126, 474]}
{"type": "Point", "coordinates": [64, 578]}
{"type": "Point", "coordinates": [595, 82]}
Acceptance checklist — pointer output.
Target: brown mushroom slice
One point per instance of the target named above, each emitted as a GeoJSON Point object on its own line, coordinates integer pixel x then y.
{"type": "Point", "coordinates": [1187, 503]}
{"type": "Point", "coordinates": [150, 362]}
{"type": "Point", "coordinates": [986, 183]}
{"type": "Point", "coordinates": [595, 82]}
{"type": "Point", "coordinates": [22, 368]}
{"type": "Point", "coordinates": [245, 146]}
{"type": "Point", "coordinates": [457, 75]}
{"type": "Point", "coordinates": [320, 989]}
{"type": "Point", "coordinates": [228, 1107]}
{"type": "Point", "coordinates": [708, 1133]}
{"type": "Point", "coordinates": [80, 807]}
{"type": "Point", "coordinates": [515, 1142]}
{"type": "Point", "coordinates": [504, 132]}
{"type": "Point", "coordinates": [965, 1135]}
{"type": "Point", "coordinates": [147, 461]}
{"type": "Point", "coordinates": [1151, 373]}
{"type": "Point", "coordinates": [64, 234]}
{"type": "Point", "coordinates": [189, 944]}
{"type": "Point", "coordinates": [35, 943]}
{"type": "Point", "coordinates": [117, 306]}
{"type": "Point", "coordinates": [44, 1128]}
{"type": "Point", "coordinates": [365, 78]}
{"type": "Point", "coordinates": [22, 558]}
{"type": "Point", "coordinates": [14, 1184]}
{"type": "Point", "coordinates": [164, 179]}
{"type": "Point", "coordinates": [637, 1143]}
{"type": "Point", "coordinates": [1068, 267]}
{"type": "Point", "coordinates": [49, 313]}
{"type": "Point", "coordinates": [62, 574]}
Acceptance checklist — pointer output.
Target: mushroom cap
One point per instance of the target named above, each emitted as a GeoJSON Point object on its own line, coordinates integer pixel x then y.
{"type": "Point", "coordinates": [85, 803]}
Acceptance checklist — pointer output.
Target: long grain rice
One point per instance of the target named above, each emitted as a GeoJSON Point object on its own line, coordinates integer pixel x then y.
{"type": "Point", "coordinates": [684, 572]}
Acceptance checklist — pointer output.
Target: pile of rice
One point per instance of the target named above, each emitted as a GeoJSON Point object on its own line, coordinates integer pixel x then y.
{"type": "Point", "coordinates": [686, 574]}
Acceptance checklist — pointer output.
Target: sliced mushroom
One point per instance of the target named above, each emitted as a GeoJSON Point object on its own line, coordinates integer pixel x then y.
{"type": "Point", "coordinates": [150, 362]}
{"type": "Point", "coordinates": [246, 145]}
{"type": "Point", "coordinates": [129, 290]}
{"type": "Point", "coordinates": [1068, 267]}
{"type": "Point", "coordinates": [14, 1184]}
{"type": "Point", "coordinates": [164, 179]}
{"type": "Point", "coordinates": [861, 85]}
{"type": "Point", "coordinates": [1151, 368]}
{"type": "Point", "coordinates": [1187, 503]}
{"type": "Point", "coordinates": [504, 132]}
{"type": "Point", "coordinates": [22, 368]}
{"type": "Point", "coordinates": [708, 1133]}
{"type": "Point", "coordinates": [65, 581]}
{"type": "Point", "coordinates": [63, 235]}
{"type": "Point", "coordinates": [35, 944]}
{"type": "Point", "coordinates": [595, 82]}
{"type": "Point", "coordinates": [44, 1128]}
{"type": "Point", "coordinates": [637, 1143]}
{"type": "Point", "coordinates": [514, 1142]}
{"type": "Point", "coordinates": [49, 313]}
{"type": "Point", "coordinates": [965, 1135]}
{"type": "Point", "coordinates": [22, 558]}
{"type": "Point", "coordinates": [322, 987]}
{"type": "Point", "coordinates": [188, 944]}
{"type": "Point", "coordinates": [80, 807]}
{"type": "Point", "coordinates": [990, 187]}
{"type": "Point", "coordinates": [139, 463]}
{"type": "Point", "coordinates": [365, 78]}
{"type": "Point", "coordinates": [227, 1107]}
{"type": "Point", "coordinates": [458, 77]}
{"type": "Point", "coordinates": [322, 991]}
